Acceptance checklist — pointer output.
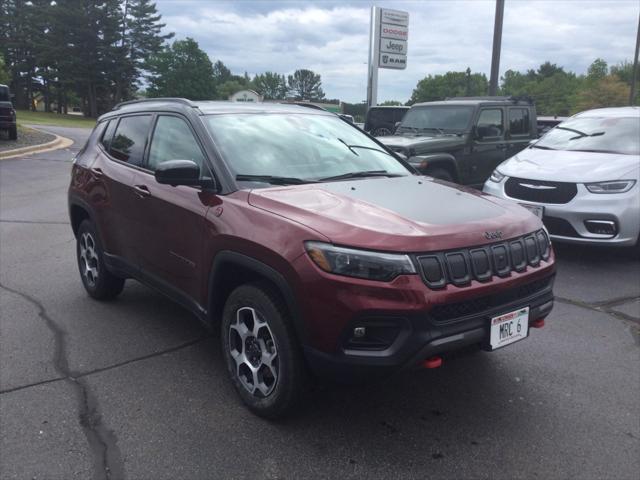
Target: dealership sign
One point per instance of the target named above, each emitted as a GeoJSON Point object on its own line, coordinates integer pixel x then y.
{"type": "Point", "coordinates": [388, 35]}
{"type": "Point", "coordinates": [392, 39]}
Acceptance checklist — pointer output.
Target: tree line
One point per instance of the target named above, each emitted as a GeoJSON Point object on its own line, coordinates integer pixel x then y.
{"type": "Point", "coordinates": [184, 70]}
{"type": "Point", "coordinates": [555, 90]}
{"type": "Point", "coordinates": [95, 54]}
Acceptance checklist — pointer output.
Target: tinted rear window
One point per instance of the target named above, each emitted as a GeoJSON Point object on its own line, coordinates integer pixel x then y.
{"type": "Point", "coordinates": [4, 94]}
{"type": "Point", "coordinates": [130, 139]}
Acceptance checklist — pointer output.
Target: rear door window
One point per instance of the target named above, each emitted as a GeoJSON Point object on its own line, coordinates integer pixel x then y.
{"type": "Point", "coordinates": [108, 134]}
{"type": "Point", "coordinates": [130, 139]}
{"type": "Point", "coordinates": [519, 123]}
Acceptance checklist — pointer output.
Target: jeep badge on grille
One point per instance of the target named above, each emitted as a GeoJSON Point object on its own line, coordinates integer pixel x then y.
{"type": "Point", "coordinates": [495, 235]}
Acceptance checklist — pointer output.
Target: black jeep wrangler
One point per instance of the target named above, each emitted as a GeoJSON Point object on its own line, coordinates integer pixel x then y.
{"type": "Point", "coordinates": [7, 113]}
{"type": "Point", "coordinates": [464, 139]}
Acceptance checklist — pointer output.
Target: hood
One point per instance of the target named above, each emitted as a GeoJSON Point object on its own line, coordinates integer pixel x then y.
{"type": "Point", "coordinates": [410, 214]}
{"type": "Point", "coordinates": [422, 143]}
{"type": "Point", "coordinates": [568, 166]}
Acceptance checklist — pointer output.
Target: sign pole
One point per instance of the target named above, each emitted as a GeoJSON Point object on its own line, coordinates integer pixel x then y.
{"type": "Point", "coordinates": [374, 54]}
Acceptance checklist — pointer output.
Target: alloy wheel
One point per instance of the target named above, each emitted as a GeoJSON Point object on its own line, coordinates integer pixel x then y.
{"type": "Point", "coordinates": [253, 349]}
{"type": "Point", "coordinates": [88, 259]}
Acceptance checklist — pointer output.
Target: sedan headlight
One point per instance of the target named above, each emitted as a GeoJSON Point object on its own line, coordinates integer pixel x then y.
{"type": "Point", "coordinates": [359, 263]}
{"type": "Point", "coordinates": [616, 186]}
{"type": "Point", "coordinates": [496, 176]}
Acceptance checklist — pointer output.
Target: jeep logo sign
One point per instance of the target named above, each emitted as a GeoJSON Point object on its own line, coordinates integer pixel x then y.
{"type": "Point", "coordinates": [393, 32]}
{"type": "Point", "coordinates": [388, 45]}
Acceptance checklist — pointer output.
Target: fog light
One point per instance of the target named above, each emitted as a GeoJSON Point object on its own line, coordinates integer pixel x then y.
{"type": "Point", "coordinates": [359, 332]}
{"type": "Point", "coordinates": [601, 227]}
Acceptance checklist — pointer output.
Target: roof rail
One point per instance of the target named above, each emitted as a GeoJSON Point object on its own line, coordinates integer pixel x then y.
{"type": "Point", "coordinates": [511, 98]}
{"type": "Point", "coordinates": [182, 101]}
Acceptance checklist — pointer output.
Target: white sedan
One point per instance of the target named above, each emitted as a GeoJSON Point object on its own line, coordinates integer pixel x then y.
{"type": "Point", "coordinates": [582, 178]}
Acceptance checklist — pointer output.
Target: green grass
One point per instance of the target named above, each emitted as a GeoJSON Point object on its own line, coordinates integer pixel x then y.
{"type": "Point", "coordinates": [58, 120]}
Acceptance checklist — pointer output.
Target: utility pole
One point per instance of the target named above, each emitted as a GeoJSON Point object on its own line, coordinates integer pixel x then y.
{"type": "Point", "coordinates": [497, 43]}
{"type": "Point", "coordinates": [634, 76]}
{"type": "Point", "coordinates": [372, 74]}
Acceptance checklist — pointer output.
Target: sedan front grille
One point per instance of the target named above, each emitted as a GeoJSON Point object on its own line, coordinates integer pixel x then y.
{"type": "Point", "coordinates": [540, 191]}
{"type": "Point", "coordinates": [460, 267]}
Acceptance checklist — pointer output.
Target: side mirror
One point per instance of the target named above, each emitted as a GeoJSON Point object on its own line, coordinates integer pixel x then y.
{"type": "Point", "coordinates": [476, 133]}
{"type": "Point", "coordinates": [178, 172]}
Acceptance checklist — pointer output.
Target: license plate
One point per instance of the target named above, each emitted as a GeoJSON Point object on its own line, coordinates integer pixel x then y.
{"type": "Point", "coordinates": [537, 210]}
{"type": "Point", "coordinates": [509, 328]}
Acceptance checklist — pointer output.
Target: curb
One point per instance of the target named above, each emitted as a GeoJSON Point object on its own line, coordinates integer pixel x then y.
{"type": "Point", "coordinates": [55, 144]}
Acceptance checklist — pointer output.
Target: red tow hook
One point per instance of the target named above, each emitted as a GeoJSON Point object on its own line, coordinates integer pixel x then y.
{"type": "Point", "coordinates": [432, 362]}
{"type": "Point", "coordinates": [538, 323]}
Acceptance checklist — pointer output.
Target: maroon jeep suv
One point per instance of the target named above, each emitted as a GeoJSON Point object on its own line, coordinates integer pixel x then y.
{"type": "Point", "coordinates": [311, 246]}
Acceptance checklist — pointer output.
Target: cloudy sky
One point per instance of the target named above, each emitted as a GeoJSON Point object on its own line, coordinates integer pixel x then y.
{"type": "Point", "coordinates": [331, 37]}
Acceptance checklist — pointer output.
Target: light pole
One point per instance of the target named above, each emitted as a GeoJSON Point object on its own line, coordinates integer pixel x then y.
{"type": "Point", "coordinates": [497, 43]}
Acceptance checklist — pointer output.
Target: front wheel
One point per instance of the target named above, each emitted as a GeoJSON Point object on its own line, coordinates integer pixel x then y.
{"type": "Point", "coordinates": [99, 283]}
{"type": "Point", "coordinates": [260, 350]}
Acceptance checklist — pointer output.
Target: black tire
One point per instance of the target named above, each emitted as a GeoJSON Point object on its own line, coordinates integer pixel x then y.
{"type": "Point", "coordinates": [13, 133]}
{"type": "Point", "coordinates": [440, 174]}
{"type": "Point", "coordinates": [381, 132]}
{"type": "Point", "coordinates": [259, 302]}
{"type": "Point", "coordinates": [99, 282]}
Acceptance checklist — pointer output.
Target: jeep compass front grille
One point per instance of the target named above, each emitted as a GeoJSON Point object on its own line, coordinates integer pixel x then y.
{"type": "Point", "coordinates": [458, 311]}
{"type": "Point", "coordinates": [460, 267]}
{"type": "Point", "coordinates": [540, 191]}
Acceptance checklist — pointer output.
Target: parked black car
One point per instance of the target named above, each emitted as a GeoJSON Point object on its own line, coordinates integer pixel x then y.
{"type": "Point", "coordinates": [382, 121]}
{"type": "Point", "coordinates": [464, 139]}
{"type": "Point", "coordinates": [7, 113]}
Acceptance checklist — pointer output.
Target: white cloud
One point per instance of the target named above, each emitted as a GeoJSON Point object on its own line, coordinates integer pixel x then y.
{"type": "Point", "coordinates": [331, 38]}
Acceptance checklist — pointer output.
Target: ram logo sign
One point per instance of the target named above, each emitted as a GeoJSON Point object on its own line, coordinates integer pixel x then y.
{"type": "Point", "coordinates": [393, 34]}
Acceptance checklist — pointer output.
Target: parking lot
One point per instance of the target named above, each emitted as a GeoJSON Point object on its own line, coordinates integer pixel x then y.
{"type": "Point", "coordinates": [137, 389]}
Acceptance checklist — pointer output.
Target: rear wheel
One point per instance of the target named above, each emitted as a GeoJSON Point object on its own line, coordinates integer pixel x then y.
{"type": "Point", "coordinates": [97, 280]}
{"type": "Point", "coordinates": [13, 133]}
{"type": "Point", "coordinates": [440, 174]}
{"type": "Point", "coordinates": [260, 350]}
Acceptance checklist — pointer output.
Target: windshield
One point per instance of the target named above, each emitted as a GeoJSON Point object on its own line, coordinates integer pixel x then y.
{"type": "Point", "coordinates": [297, 146]}
{"type": "Point", "coordinates": [445, 117]}
{"type": "Point", "coordinates": [595, 134]}
{"type": "Point", "coordinates": [4, 94]}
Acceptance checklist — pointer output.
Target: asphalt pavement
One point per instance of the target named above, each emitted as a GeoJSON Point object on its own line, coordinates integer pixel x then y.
{"type": "Point", "coordinates": [136, 389]}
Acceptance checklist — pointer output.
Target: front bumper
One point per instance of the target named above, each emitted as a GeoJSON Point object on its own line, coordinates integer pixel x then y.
{"type": "Point", "coordinates": [426, 322]}
{"type": "Point", "coordinates": [566, 222]}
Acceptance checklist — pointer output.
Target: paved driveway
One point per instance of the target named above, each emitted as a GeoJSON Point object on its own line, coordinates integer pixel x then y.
{"type": "Point", "coordinates": [136, 388]}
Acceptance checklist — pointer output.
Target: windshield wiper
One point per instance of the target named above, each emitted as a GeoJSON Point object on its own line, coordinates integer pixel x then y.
{"type": "Point", "coordinates": [369, 173]}
{"type": "Point", "coordinates": [353, 147]}
{"type": "Point", "coordinates": [542, 147]}
{"type": "Point", "coordinates": [273, 179]}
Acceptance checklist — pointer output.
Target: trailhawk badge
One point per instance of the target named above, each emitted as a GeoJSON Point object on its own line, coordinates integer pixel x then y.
{"type": "Point", "coordinates": [496, 235]}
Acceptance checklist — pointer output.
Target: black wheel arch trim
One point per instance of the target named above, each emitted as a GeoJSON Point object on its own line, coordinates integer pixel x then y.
{"type": "Point", "coordinates": [231, 257]}
{"type": "Point", "coordinates": [443, 159]}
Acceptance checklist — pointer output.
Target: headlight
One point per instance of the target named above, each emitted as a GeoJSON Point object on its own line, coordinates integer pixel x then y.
{"type": "Point", "coordinates": [359, 263]}
{"type": "Point", "coordinates": [616, 186]}
{"type": "Point", "coordinates": [496, 176]}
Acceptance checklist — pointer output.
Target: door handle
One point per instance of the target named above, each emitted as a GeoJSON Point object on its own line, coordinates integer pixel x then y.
{"type": "Point", "coordinates": [97, 172]}
{"type": "Point", "coordinates": [142, 191]}
{"type": "Point", "coordinates": [502, 146]}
